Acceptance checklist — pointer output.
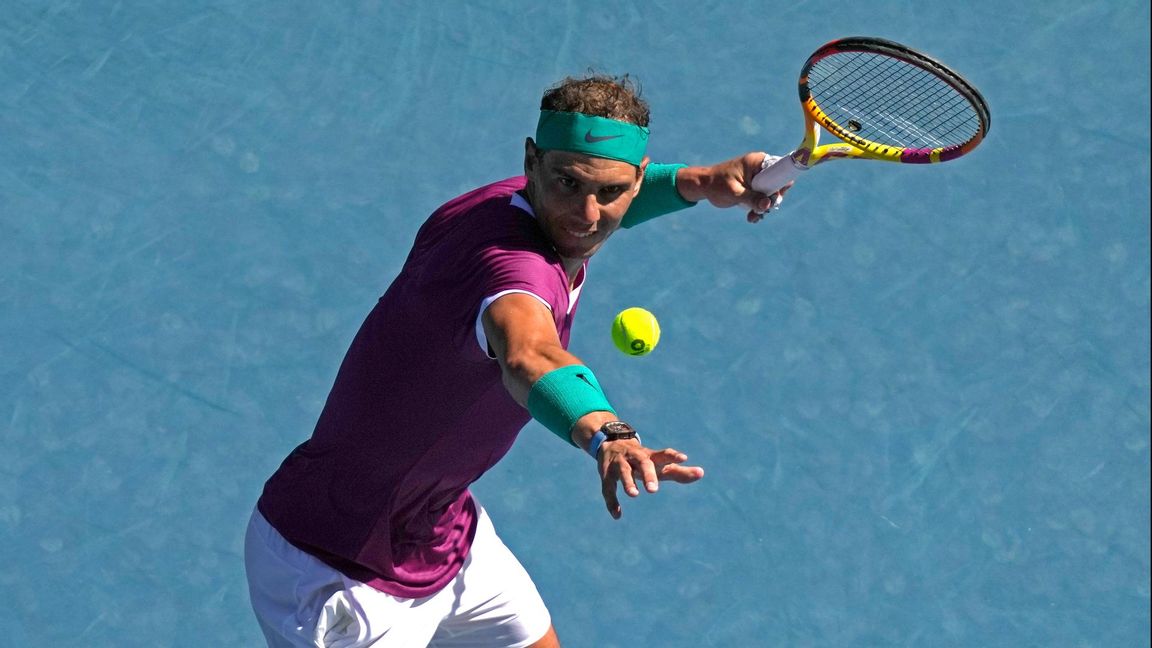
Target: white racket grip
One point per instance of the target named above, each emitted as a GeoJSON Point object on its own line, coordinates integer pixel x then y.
{"type": "Point", "coordinates": [775, 173]}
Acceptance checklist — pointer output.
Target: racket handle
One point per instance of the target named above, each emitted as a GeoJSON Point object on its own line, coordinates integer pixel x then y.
{"type": "Point", "coordinates": [776, 173]}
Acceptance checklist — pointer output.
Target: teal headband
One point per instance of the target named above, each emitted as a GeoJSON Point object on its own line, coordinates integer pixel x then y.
{"type": "Point", "coordinates": [596, 136]}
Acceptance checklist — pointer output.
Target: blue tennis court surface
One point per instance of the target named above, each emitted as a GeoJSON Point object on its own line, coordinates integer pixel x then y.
{"type": "Point", "coordinates": [921, 395]}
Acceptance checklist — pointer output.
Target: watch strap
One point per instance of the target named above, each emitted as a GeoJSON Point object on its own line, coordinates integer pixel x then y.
{"type": "Point", "coordinates": [601, 436]}
{"type": "Point", "coordinates": [598, 439]}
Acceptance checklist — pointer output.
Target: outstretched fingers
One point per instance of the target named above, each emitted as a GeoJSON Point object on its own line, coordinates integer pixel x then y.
{"type": "Point", "coordinates": [669, 467]}
{"type": "Point", "coordinates": [654, 466]}
{"type": "Point", "coordinates": [608, 489]}
{"type": "Point", "coordinates": [681, 474]}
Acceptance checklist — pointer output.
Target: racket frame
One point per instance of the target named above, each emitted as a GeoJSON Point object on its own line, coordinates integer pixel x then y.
{"type": "Point", "coordinates": [809, 154]}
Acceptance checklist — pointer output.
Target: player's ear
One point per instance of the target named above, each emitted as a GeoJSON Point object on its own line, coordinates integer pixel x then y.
{"type": "Point", "coordinates": [531, 156]}
{"type": "Point", "coordinates": [640, 170]}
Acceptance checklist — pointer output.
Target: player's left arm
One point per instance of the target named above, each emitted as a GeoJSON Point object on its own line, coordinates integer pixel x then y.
{"type": "Point", "coordinates": [670, 187]}
{"type": "Point", "coordinates": [729, 184]}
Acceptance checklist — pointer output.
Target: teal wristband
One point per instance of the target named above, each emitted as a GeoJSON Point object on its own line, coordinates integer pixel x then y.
{"type": "Point", "coordinates": [658, 195]}
{"type": "Point", "coordinates": [560, 397]}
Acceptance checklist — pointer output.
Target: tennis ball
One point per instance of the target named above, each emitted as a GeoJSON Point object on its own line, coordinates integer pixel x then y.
{"type": "Point", "coordinates": [635, 331]}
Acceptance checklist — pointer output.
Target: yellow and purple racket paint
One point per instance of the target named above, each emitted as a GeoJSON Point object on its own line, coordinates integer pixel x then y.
{"type": "Point", "coordinates": [885, 102]}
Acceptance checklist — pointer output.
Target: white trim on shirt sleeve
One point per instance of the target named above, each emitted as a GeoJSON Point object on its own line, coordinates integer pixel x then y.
{"type": "Point", "coordinates": [480, 336]}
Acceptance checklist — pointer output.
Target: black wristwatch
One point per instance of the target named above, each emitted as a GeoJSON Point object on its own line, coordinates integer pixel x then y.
{"type": "Point", "coordinates": [610, 431]}
{"type": "Point", "coordinates": [618, 430]}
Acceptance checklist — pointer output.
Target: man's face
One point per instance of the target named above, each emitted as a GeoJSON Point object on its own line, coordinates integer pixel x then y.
{"type": "Point", "coordinates": [579, 200]}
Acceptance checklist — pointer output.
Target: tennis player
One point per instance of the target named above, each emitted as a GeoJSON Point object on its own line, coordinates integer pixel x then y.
{"type": "Point", "coordinates": [367, 534]}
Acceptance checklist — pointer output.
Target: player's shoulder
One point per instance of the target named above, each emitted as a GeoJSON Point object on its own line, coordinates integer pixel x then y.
{"type": "Point", "coordinates": [485, 225]}
{"type": "Point", "coordinates": [494, 197]}
{"type": "Point", "coordinates": [497, 214]}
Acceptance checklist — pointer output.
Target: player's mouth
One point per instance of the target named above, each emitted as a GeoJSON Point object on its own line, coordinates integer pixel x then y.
{"type": "Point", "coordinates": [579, 234]}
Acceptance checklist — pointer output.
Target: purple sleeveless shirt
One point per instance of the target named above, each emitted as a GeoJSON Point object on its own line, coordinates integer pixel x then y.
{"type": "Point", "coordinates": [418, 410]}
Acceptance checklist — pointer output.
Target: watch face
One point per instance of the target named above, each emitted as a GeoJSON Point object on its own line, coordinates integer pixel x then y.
{"type": "Point", "coordinates": [618, 429]}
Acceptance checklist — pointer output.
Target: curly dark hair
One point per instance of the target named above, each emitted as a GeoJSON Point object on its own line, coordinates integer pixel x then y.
{"type": "Point", "coordinates": [600, 95]}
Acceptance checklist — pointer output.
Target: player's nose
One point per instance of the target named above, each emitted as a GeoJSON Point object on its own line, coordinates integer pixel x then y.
{"type": "Point", "coordinates": [590, 209]}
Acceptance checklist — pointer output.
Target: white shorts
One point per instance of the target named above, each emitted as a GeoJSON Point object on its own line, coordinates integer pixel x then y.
{"type": "Point", "coordinates": [300, 601]}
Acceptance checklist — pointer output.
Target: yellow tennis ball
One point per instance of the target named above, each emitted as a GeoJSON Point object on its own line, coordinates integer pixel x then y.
{"type": "Point", "coordinates": [635, 331]}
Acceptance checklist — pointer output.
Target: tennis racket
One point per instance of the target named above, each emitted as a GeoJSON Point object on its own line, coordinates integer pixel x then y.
{"type": "Point", "coordinates": [885, 102]}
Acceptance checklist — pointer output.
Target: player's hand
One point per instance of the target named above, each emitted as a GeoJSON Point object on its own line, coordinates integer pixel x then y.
{"type": "Point", "coordinates": [763, 203]}
{"type": "Point", "coordinates": [729, 184]}
{"type": "Point", "coordinates": [626, 462]}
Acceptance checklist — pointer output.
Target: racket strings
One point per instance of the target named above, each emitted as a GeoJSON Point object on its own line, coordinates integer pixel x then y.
{"type": "Point", "coordinates": [889, 94]}
{"type": "Point", "coordinates": [902, 102]}
{"type": "Point", "coordinates": [875, 106]}
{"type": "Point", "coordinates": [889, 101]}
{"type": "Point", "coordinates": [901, 105]}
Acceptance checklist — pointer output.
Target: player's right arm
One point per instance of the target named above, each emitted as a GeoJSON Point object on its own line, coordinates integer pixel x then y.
{"type": "Point", "coordinates": [522, 335]}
